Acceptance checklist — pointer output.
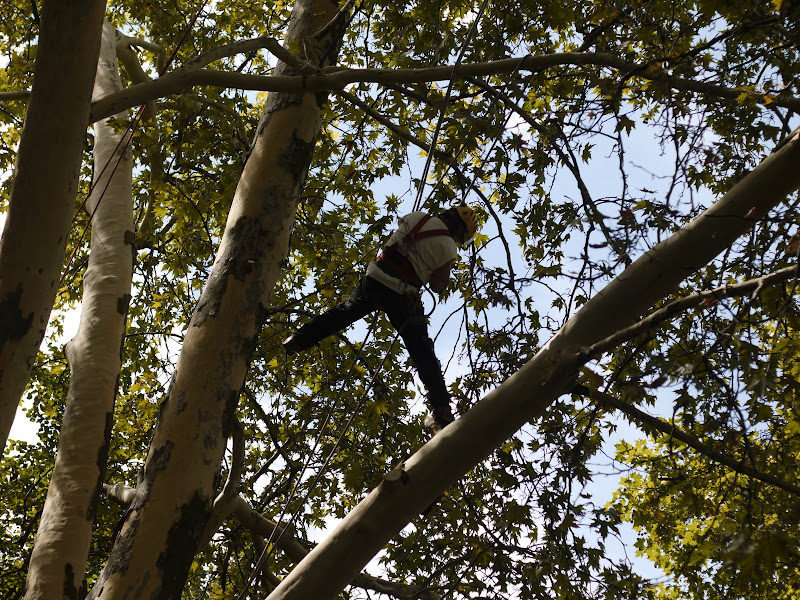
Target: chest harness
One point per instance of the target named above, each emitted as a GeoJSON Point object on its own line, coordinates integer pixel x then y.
{"type": "Point", "coordinates": [394, 260]}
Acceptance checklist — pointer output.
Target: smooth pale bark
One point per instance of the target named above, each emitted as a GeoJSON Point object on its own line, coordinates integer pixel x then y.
{"type": "Point", "coordinates": [159, 537]}
{"type": "Point", "coordinates": [409, 489]}
{"type": "Point", "coordinates": [42, 199]}
{"type": "Point", "coordinates": [58, 561]}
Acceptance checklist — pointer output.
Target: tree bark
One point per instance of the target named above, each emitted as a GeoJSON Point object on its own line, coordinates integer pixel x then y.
{"type": "Point", "coordinates": [522, 397]}
{"type": "Point", "coordinates": [58, 561]}
{"type": "Point", "coordinates": [45, 184]}
{"type": "Point", "coordinates": [157, 542]}
{"type": "Point", "coordinates": [261, 528]}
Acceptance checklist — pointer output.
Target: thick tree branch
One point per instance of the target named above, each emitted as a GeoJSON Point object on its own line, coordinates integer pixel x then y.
{"type": "Point", "coordinates": [223, 504]}
{"type": "Point", "coordinates": [121, 493]}
{"type": "Point", "coordinates": [125, 41]}
{"type": "Point", "coordinates": [231, 488]}
{"type": "Point", "coordinates": [245, 46]}
{"type": "Point", "coordinates": [129, 58]}
{"type": "Point", "coordinates": [130, 62]}
{"type": "Point", "coordinates": [337, 78]}
{"type": "Point", "coordinates": [284, 539]}
{"type": "Point", "coordinates": [41, 208]}
{"type": "Point", "coordinates": [15, 95]}
{"type": "Point", "coordinates": [691, 441]}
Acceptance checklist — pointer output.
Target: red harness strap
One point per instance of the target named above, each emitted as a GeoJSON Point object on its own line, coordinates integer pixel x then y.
{"type": "Point", "coordinates": [399, 262]}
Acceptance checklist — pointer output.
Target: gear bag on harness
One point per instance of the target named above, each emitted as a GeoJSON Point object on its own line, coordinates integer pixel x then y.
{"type": "Point", "coordinates": [394, 262]}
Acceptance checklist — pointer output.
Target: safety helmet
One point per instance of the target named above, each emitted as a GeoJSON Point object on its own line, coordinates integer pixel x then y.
{"type": "Point", "coordinates": [467, 215]}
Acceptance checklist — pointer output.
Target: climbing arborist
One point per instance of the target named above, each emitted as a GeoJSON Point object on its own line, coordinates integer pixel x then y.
{"type": "Point", "coordinates": [421, 251]}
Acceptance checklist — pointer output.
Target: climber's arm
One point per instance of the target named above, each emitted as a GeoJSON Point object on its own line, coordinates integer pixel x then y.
{"type": "Point", "coordinates": [440, 277]}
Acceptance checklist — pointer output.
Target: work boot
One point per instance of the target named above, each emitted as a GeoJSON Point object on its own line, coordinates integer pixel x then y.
{"type": "Point", "coordinates": [440, 417]}
{"type": "Point", "coordinates": [291, 345]}
{"type": "Point", "coordinates": [443, 415]}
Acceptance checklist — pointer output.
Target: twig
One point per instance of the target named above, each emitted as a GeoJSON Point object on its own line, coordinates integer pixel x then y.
{"type": "Point", "coordinates": [707, 298]}
{"type": "Point", "coordinates": [691, 441]}
{"type": "Point", "coordinates": [567, 157]}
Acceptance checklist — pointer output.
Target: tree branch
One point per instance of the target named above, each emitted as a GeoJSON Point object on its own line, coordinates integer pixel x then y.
{"type": "Point", "coordinates": [120, 492]}
{"type": "Point", "coordinates": [231, 488]}
{"type": "Point", "coordinates": [15, 95]}
{"type": "Point", "coordinates": [130, 62]}
{"type": "Point", "coordinates": [223, 504]}
{"type": "Point", "coordinates": [288, 543]}
{"type": "Point", "coordinates": [245, 46]}
{"type": "Point", "coordinates": [337, 78]}
{"type": "Point", "coordinates": [267, 578]}
{"type": "Point", "coordinates": [691, 441]}
{"type": "Point", "coordinates": [125, 41]}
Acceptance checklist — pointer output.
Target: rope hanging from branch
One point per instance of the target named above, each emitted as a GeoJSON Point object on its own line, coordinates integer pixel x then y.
{"type": "Point", "coordinates": [440, 120]}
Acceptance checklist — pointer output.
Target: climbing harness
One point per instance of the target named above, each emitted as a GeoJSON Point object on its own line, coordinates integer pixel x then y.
{"type": "Point", "coordinates": [395, 262]}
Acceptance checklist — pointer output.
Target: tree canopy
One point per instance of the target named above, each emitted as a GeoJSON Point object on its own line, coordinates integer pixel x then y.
{"type": "Point", "coordinates": [590, 138]}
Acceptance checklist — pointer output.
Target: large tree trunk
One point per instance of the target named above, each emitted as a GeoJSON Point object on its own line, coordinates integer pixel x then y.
{"type": "Point", "coordinates": [158, 540]}
{"type": "Point", "coordinates": [408, 490]}
{"type": "Point", "coordinates": [58, 561]}
{"type": "Point", "coordinates": [45, 184]}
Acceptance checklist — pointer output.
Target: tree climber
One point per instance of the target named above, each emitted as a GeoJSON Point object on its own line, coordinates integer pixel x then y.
{"type": "Point", "coordinates": [421, 251]}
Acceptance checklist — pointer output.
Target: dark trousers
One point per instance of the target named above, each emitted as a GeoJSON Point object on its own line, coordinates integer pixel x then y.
{"type": "Point", "coordinates": [405, 313]}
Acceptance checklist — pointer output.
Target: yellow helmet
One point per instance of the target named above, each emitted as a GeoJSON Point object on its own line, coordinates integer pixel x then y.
{"type": "Point", "coordinates": [467, 215]}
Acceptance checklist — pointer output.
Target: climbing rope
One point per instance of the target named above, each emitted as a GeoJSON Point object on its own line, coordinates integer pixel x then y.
{"type": "Point", "coordinates": [440, 120]}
